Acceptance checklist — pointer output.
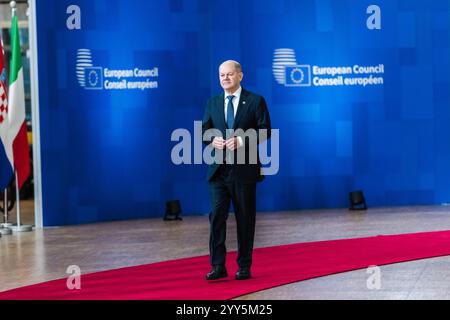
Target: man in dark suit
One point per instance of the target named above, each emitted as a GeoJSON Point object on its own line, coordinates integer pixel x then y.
{"type": "Point", "coordinates": [245, 114]}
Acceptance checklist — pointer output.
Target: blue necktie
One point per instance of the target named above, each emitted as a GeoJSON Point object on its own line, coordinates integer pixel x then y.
{"type": "Point", "coordinates": [230, 112]}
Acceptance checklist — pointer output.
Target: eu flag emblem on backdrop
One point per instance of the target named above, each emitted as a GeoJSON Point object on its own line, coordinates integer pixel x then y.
{"type": "Point", "coordinates": [93, 77]}
{"type": "Point", "coordinates": [298, 76]}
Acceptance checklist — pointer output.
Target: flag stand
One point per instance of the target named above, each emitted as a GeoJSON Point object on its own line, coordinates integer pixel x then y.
{"type": "Point", "coordinates": [5, 227]}
{"type": "Point", "coordinates": [19, 227]}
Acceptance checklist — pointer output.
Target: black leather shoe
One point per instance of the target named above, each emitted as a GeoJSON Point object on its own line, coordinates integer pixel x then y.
{"type": "Point", "coordinates": [243, 274]}
{"type": "Point", "coordinates": [217, 273]}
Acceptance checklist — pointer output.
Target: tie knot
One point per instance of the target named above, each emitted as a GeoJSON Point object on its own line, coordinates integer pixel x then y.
{"type": "Point", "coordinates": [230, 98]}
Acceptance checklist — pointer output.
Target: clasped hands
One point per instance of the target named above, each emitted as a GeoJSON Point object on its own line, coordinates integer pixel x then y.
{"type": "Point", "coordinates": [220, 143]}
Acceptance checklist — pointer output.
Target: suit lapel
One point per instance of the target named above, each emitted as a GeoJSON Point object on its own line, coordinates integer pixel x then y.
{"type": "Point", "coordinates": [242, 107]}
{"type": "Point", "coordinates": [220, 112]}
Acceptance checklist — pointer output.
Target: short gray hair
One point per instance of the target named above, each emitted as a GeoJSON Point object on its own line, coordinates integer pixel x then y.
{"type": "Point", "coordinates": [237, 65]}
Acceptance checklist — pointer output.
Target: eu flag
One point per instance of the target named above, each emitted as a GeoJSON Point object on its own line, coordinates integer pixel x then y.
{"type": "Point", "coordinates": [298, 76]}
{"type": "Point", "coordinates": [93, 78]}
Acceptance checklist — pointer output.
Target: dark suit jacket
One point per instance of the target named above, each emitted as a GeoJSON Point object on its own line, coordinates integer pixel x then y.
{"type": "Point", "coordinates": [252, 113]}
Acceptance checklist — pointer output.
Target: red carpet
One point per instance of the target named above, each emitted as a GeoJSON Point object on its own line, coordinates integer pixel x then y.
{"type": "Point", "coordinates": [274, 266]}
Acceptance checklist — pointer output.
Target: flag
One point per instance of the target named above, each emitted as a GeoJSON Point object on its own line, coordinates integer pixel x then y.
{"type": "Point", "coordinates": [14, 128]}
{"type": "Point", "coordinates": [6, 162]}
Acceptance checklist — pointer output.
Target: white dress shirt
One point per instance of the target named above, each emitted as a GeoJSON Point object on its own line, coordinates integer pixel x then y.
{"type": "Point", "coordinates": [237, 97]}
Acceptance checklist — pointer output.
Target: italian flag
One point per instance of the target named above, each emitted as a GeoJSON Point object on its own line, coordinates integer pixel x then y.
{"type": "Point", "coordinates": [16, 112]}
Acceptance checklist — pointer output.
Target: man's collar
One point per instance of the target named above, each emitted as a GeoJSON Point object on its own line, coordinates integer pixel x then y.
{"type": "Point", "coordinates": [237, 93]}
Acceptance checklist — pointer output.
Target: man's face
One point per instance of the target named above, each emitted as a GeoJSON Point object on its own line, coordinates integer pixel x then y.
{"type": "Point", "coordinates": [230, 79]}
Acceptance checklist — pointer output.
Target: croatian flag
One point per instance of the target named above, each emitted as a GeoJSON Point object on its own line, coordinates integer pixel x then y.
{"type": "Point", "coordinates": [14, 153]}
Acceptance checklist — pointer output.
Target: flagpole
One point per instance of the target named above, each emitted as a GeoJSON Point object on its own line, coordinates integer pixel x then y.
{"type": "Point", "coordinates": [5, 227]}
{"type": "Point", "coordinates": [13, 8]}
{"type": "Point", "coordinates": [6, 224]}
{"type": "Point", "coordinates": [19, 227]}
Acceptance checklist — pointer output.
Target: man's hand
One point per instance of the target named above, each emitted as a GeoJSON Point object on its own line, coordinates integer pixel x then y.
{"type": "Point", "coordinates": [232, 143]}
{"type": "Point", "coordinates": [218, 143]}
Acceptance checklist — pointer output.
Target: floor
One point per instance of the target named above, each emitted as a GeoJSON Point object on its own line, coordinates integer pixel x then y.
{"type": "Point", "coordinates": [26, 213]}
{"type": "Point", "coordinates": [45, 254]}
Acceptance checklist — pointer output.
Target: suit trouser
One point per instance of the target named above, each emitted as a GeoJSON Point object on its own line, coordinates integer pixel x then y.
{"type": "Point", "coordinates": [223, 189]}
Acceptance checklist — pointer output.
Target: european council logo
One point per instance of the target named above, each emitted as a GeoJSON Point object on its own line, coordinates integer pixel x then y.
{"type": "Point", "coordinates": [93, 78]}
{"type": "Point", "coordinates": [84, 60]}
{"type": "Point", "coordinates": [297, 76]}
{"type": "Point", "coordinates": [282, 57]}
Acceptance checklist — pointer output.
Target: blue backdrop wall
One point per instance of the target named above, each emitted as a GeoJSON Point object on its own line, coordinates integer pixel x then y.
{"type": "Point", "coordinates": [357, 107]}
